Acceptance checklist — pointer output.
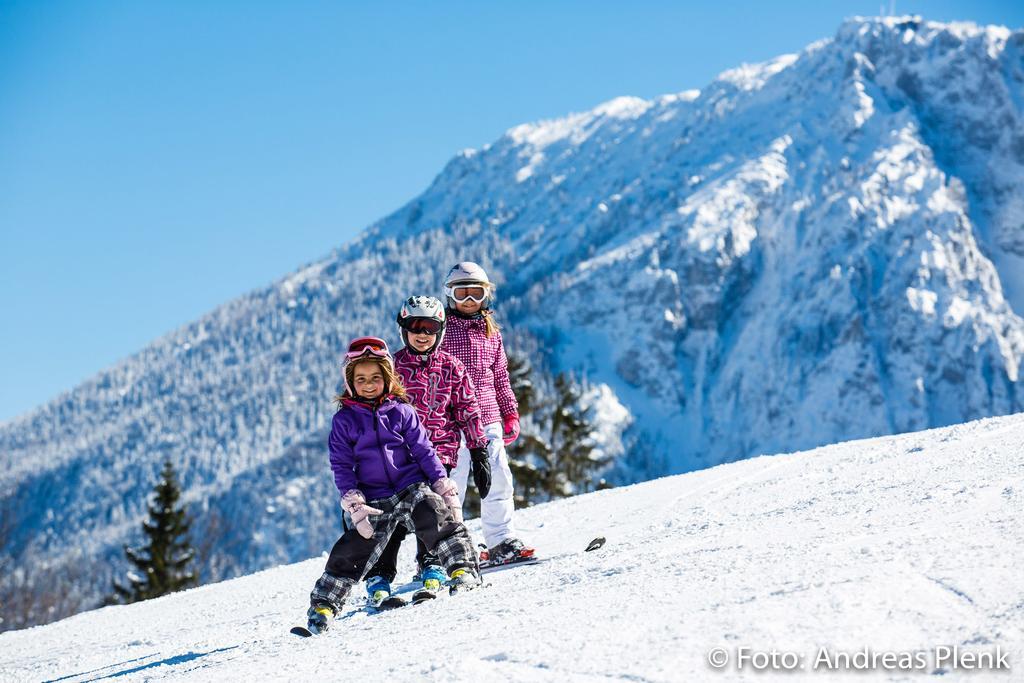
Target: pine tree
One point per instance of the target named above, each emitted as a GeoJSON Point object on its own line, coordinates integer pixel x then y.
{"type": "Point", "coordinates": [519, 375]}
{"type": "Point", "coordinates": [572, 442]}
{"type": "Point", "coordinates": [524, 471]}
{"type": "Point", "coordinates": [559, 459]}
{"type": "Point", "coordinates": [164, 560]}
{"type": "Point", "coordinates": [555, 455]}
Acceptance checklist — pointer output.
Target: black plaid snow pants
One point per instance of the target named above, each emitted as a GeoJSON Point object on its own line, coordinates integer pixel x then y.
{"type": "Point", "coordinates": [418, 508]}
{"type": "Point", "coordinates": [387, 564]}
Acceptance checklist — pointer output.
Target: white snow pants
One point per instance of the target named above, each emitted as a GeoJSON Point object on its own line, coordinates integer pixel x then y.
{"type": "Point", "coordinates": [496, 509]}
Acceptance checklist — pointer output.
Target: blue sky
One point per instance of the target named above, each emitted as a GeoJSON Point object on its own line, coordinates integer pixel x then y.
{"type": "Point", "coordinates": [160, 158]}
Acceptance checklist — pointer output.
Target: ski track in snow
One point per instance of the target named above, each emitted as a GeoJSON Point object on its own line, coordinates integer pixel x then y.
{"type": "Point", "coordinates": [895, 543]}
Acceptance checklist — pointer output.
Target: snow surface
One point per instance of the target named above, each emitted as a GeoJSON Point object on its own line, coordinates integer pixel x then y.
{"type": "Point", "coordinates": [896, 544]}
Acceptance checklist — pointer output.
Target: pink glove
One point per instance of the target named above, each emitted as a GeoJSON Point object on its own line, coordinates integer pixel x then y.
{"type": "Point", "coordinates": [354, 503]}
{"type": "Point", "coordinates": [511, 428]}
{"type": "Point", "coordinates": [449, 493]}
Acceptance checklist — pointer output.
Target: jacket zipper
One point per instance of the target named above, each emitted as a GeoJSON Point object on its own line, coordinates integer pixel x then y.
{"type": "Point", "coordinates": [380, 449]}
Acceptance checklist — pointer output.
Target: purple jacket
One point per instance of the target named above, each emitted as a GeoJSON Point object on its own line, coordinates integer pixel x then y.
{"type": "Point", "coordinates": [380, 449]}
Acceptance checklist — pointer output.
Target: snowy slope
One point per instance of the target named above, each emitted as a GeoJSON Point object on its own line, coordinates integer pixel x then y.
{"type": "Point", "coordinates": [823, 247]}
{"type": "Point", "coordinates": [894, 543]}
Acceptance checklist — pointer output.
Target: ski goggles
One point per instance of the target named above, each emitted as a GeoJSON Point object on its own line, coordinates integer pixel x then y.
{"type": "Point", "coordinates": [463, 293]}
{"type": "Point", "coordinates": [422, 325]}
{"type": "Point", "coordinates": [367, 346]}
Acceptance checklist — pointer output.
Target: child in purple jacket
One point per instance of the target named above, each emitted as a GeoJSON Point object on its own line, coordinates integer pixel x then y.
{"type": "Point", "coordinates": [388, 474]}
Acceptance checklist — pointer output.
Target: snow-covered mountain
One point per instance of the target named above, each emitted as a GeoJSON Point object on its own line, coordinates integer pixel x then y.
{"type": "Point", "coordinates": [823, 247]}
{"type": "Point", "coordinates": [900, 544]}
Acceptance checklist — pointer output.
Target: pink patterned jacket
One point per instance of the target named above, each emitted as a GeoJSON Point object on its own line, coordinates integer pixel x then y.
{"type": "Point", "coordinates": [466, 339]}
{"type": "Point", "coordinates": [442, 392]}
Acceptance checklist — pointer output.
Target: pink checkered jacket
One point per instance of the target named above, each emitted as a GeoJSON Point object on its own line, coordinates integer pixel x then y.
{"type": "Point", "coordinates": [440, 389]}
{"type": "Point", "coordinates": [466, 339]}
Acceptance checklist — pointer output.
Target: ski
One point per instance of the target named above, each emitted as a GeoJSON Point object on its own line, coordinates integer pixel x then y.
{"type": "Point", "coordinates": [421, 596]}
{"type": "Point", "coordinates": [393, 602]}
{"type": "Point", "coordinates": [489, 567]}
{"type": "Point", "coordinates": [390, 603]}
{"type": "Point", "coordinates": [386, 605]}
{"type": "Point", "coordinates": [397, 601]}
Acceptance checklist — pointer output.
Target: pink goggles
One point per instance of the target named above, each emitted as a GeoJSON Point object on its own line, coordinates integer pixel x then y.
{"type": "Point", "coordinates": [367, 346]}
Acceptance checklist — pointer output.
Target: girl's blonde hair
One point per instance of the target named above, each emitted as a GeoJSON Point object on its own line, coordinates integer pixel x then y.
{"type": "Point", "coordinates": [493, 327]}
{"type": "Point", "coordinates": [392, 382]}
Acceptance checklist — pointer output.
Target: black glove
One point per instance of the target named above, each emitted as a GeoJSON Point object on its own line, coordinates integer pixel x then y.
{"type": "Point", "coordinates": [481, 470]}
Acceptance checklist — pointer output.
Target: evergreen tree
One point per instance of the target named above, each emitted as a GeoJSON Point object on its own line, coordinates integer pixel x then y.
{"type": "Point", "coordinates": [163, 562]}
{"type": "Point", "coordinates": [572, 442]}
{"type": "Point", "coordinates": [524, 472]}
{"type": "Point", "coordinates": [558, 458]}
{"type": "Point", "coordinates": [519, 375]}
{"type": "Point", "coordinates": [554, 456]}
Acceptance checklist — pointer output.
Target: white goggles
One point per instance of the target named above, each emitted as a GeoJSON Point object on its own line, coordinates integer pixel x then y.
{"type": "Point", "coordinates": [463, 293]}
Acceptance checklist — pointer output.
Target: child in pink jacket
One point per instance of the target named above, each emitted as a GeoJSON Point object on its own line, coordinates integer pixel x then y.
{"type": "Point", "coordinates": [439, 388]}
{"type": "Point", "coordinates": [474, 338]}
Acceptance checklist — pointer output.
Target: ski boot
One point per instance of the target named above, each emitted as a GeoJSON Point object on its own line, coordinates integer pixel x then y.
{"type": "Point", "coordinates": [319, 618]}
{"type": "Point", "coordinates": [508, 551]}
{"type": "Point", "coordinates": [432, 578]}
{"type": "Point", "coordinates": [463, 580]}
{"type": "Point", "coordinates": [378, 589]}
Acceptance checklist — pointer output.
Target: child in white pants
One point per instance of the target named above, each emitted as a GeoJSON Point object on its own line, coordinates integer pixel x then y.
{"type": "Point", "coordinates": [496, 509]}
{"type": "Point", "coordinates": [473, 336]}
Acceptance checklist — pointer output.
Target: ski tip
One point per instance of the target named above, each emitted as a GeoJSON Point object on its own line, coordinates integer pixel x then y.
{"type": "Point", "coordinates": [394, 602]}
{"type": "Point", "coordinates": [423, 596]}
{"type": "Point", "coordinates": [301, 632]}
{"type": "Point", "coordinates": [595, 544]}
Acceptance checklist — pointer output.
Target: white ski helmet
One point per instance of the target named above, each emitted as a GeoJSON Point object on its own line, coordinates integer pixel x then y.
{"type": "Point", "coordinates": [468, 273]}
{"type": "Point", "coordinates": [423, 312]}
